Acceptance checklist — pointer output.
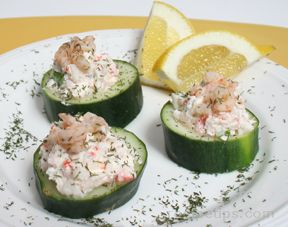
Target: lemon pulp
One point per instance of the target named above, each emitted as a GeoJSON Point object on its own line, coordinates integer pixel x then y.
{"type": "Point", "coordinates": [211, 58]}
{"type": "Point", "coordinates": [154, 47]}
{"type": "Point", "coordinates": [187, 61]}
{"type": "Point", "coordinates": [166, 25]}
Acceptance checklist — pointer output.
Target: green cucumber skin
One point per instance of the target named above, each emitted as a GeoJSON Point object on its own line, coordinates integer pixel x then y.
{"type": "Point", "coordinates": [211, 156]}
{"type": "Point", "coordinates": [69, 207]}
{"type": "Point", "coordinates": [81, 208]}
{"type": "Point", "coordinates": [118, 111]}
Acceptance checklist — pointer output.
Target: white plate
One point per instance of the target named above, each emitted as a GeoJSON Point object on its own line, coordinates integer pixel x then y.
{"type": "Point", "coordinates": [258, 195]}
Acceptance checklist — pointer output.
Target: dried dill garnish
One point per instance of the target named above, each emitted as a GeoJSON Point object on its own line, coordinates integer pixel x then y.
{"type": "Point", "coordinates": [8, 205]}
{"type": "Point", "coordinates": [15, 84]}
{"type": "Point", "coordinates": [2, 187]}
{"type": "Point", "coordinates": [192, 205]}
{"type": "Point", "coordinates": [16, 138]}
{"type": "Point", "coordinates": [130, 55]}
{"type": "Point", "coordinates": [99, 222]}
{"type": "Point", "coordinates": [35, 91]}
{"type": "Point", "coordinates": [3, 95]}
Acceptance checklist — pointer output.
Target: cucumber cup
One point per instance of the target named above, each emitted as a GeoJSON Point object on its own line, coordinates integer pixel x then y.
{"type": "Point", "coordinates": [102, 198]}
{"type": "Point", "coordinates": [207, 154]}
{"type": "Point", "coordinates": [119, 105]}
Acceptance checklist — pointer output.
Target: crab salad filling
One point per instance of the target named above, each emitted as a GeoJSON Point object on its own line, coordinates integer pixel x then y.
{"type": "Point", "coordinates": [85, 71]}
{"type": "Point", "coordinates": [213, 108]}
{"type": "Point", "coordinates": [81, 153]}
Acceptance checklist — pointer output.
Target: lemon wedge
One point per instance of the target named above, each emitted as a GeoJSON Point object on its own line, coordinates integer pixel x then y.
{"type": "Point", "coordinates": [165, 26]}
{"type": "Point", "coordinates": [226, 53]}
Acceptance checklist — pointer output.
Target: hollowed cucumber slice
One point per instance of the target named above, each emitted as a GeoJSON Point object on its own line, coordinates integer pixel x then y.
{"type": "Point", "coordinates": [207, 154]}
{"type": "Point", "coordinates": [119, 105]}
{"type": "Point", "coordinates": [102, 198]}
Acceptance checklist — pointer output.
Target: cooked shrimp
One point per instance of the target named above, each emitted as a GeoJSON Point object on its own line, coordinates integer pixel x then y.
{"type": "Point", "coordinates": [73, 53]}
{"type": "Point", "coordinates": [219, 93]}
{"type": "Point", "coordinates": [71, 132]}
{"type": "Point", "coordinates": [214, 95]}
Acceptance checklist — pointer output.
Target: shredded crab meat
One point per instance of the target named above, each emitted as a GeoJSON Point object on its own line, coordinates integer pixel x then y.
{"type": "Point", "coordinates": [71, 133]}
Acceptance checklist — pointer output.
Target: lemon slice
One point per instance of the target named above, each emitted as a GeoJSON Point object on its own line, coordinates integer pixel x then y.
{"type": "Point", "coordinates": [226, 53]}
{"type": "Point", "coordinates": [165, 26]}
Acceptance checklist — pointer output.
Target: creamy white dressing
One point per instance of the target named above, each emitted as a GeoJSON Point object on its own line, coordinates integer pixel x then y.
{"type": "Point", "coordinates": [101, 75]}
{"type": "Point", "coordinates": [221, 116]}
{"type": "Point", "coordinates": [102, 162]}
